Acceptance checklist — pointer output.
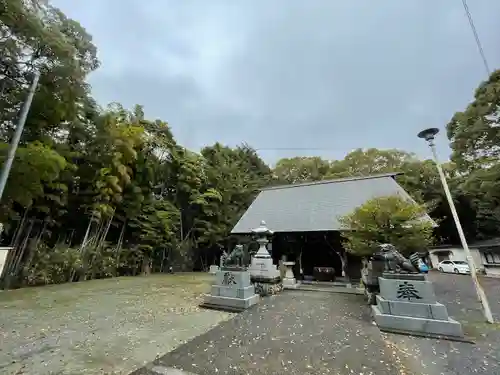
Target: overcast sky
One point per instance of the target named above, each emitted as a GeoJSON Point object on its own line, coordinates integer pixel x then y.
{"type": "Point", "coordinates": [324, 74]}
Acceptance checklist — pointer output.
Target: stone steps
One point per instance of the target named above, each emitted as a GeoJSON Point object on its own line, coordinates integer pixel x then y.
{"type": "Point", "coordinates": [329, 288]}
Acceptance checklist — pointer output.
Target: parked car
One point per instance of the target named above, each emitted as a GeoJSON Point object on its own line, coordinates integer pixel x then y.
{"type": "Point", "coordinates": [455, 266]}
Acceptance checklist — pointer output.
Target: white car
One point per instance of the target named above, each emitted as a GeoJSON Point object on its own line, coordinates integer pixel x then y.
{"type": "Point", "coordinates": [455, 266]}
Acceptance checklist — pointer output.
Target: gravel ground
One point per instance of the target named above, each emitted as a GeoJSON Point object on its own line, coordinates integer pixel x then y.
{"type": "Point", "coordinates": [323, 333]}
{"type": "Point", "coordinates": [295, 332]}
{"type": "Point", "coordinates": [110, 326]}
{"type": "Point", "coordinates": [114, 326]}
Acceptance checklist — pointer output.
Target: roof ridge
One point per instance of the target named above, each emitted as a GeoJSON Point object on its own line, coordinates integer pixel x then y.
{"type": "Point", "coordinates": [337, 180]}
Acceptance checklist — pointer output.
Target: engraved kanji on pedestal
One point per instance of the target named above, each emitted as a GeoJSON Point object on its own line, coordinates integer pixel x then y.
{"type": "Point", "coordinates": [407, 304]}
{"type": "Point", "coordinates": [233, 291]}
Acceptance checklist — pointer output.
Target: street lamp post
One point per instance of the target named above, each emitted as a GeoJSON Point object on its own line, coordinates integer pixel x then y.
{"type": "Point", "coordinates": [428, 135]}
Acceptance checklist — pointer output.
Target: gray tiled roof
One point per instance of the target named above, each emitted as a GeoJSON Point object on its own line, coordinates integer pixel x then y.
{"type": "Point", "coordinates": [315, 206]}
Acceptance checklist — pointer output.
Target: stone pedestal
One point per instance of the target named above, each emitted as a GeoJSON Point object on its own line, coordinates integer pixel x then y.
{"type": "Point", "coordinates": [232, 291]}
{"type": "Point", "coordinates": [407, 304]}
{"type": "Point", "coordinates": [263, 269]}
{"type": "Point", "coordinates": [289, 281]}
{"type": "Point", "coordinates": [213, 269]}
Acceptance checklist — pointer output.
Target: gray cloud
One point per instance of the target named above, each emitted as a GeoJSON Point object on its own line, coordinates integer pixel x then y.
{"type": "Point", "coordinates": [291, 73]}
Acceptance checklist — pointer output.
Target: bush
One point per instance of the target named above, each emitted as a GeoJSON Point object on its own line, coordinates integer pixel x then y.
{"type": "Point", "coordinates": [389, 219]}
{"type": "Point", "coordinates": [52, 266]}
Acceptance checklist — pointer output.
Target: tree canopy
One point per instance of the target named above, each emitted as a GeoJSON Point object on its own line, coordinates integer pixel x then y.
{"type": "Point", "coordinates": [391, 220]}
{"type": "Point", "coordinates": [475, 140]}
{"type": "Point", "coordinates": [98, 191]}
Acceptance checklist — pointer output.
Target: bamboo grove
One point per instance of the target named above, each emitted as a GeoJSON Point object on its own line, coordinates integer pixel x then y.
{"type": "Point", "coordinates": [99, 192]}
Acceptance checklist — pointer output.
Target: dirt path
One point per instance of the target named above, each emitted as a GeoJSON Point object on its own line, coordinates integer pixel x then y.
{"type": "Point", "coordinates": [108, 326]}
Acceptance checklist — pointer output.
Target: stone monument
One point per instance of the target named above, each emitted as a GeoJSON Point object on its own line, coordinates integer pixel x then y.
{"type": "Point", "coordinates": [289, 281]}
{"type": "Point", "coordinates": [264, 274]}
{"type": "Point", "coordinates": [407, 303]}
{"type": "Point", "coordinates": [233, 290]}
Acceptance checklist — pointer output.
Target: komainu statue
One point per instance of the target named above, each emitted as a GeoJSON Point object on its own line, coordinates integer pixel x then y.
{"type": "Point", "coordinates": [386, 259]}
{"type": "Point", "coordinates": [394, 261]}
{"type": "Point", "coordinates": [236, 258]}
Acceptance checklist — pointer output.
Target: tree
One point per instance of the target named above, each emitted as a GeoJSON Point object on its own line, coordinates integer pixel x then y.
{"type": "Point", "coordinates": [475, 141]}
{"type": "Point", "coordinates": [300, 169]}
{"type": "Point", "coordinates": [35, 35]}
{"type": "Point", "coordinates": [389, 219]}
{"type": "Point", "coordinates": [369, 162]}
{"type": "Point", "coordinates": [103, 191]}
{"type": "Point", "coordinates": [475, 132]}
{"type": "Point", "coordinates": [35, 167]}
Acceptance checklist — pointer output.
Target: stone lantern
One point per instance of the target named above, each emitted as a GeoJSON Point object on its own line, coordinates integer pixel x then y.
{"type": "Point", "coordinates": [264, 274]}
{"type": "Point", "coordinates": [262, 232]}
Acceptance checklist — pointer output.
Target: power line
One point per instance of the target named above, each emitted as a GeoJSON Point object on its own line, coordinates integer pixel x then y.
{"type": "Point", "coordinates": [294, 149]}
{"type": "Point", "coordinates": [476, 36]}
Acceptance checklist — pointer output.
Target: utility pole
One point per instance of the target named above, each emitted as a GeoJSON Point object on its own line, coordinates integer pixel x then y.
{"type": "Point", "coordinates": [428, 135]}
{"type": "Point", "coordinates": [17, 134]}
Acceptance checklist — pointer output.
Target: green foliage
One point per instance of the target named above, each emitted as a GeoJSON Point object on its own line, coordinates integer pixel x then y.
{"type": "Point", "coordinates": [99, 192]}
{"type": "Point", "coordinates": [475, 141]}
{"type": "Point", "coordinates": [52, 266]}
{"type": "Point", "coordinates": [300, 169]}
{"type": "Point", "coordinates": [387, 220]}
{"type": "Point", "coordinates": [474, 133]}
{"type": "Point", "coordinates": [371, 161]}
{"type": "Point", "coordinates": [156, 225]}
{"type": "Point", "coordinates": [34, 174]}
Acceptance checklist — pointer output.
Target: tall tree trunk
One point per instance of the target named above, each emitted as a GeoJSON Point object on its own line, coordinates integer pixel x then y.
{"type": "Point", "coordinates": [16, 238]}
{"type": "Point", "coordinates": [119, 247]}
{"type": "Point", "coordinates": [87, 234]}
{"type": "Point", "coordinates": [20, 256]}
{"type": "Point", "coordinates": [12, 254]}
{"type": "Point", "coordinates": [164, 256]}
{"type": "Point", "coordinates": [34, 247]}
{"type": "Point", "coordinates": [181, 225]}
{"type": "Point", "coordinates": [146, 265]}
{"type": "Point", "coordinates": [100, 240]}
{"type": "Point", "coordinates": [83, 247]}
{"type": "Point", "coordinates": [106, 231]}
{"type": "Point", "coordinates": [70, 238]}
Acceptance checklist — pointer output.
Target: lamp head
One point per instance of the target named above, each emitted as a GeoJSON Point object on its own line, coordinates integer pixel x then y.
{"type": "Point", "coordinates": [428, 134]}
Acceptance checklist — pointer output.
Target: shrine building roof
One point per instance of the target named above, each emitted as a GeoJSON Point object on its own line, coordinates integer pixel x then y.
{"type": "Point", "coordinates": [316, 206]}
